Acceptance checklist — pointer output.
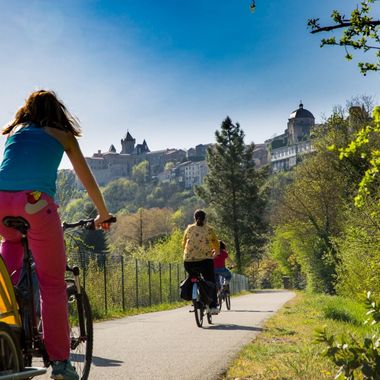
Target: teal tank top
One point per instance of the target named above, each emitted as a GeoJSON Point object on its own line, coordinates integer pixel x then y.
{"type": "Point", "coordinates": [31, 160]}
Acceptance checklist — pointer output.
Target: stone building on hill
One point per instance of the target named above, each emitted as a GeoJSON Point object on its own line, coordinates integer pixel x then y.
{"type": "Point", "coordinates": [111, 165]}
{"type": "Point", "coordinates": [285, 150]}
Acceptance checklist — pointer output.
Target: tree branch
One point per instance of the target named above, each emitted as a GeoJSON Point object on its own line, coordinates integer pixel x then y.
{"type": "Point", "coordinates": [345, 24]}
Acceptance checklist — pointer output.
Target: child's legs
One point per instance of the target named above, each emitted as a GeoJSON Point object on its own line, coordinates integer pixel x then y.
{"type": "Point", "coordinates": [224, 272]}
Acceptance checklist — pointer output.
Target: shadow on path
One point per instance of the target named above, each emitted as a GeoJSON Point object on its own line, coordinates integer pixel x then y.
{"type": "Point", "coordinates": [103, 362]}
{"type": "Point", "coordinates": [247, 311]}
{"type": "Point", "coordinates": [230, 327]}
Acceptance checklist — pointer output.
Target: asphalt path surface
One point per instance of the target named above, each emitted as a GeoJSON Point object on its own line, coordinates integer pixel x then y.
{"type": "Point", "coordinates": [168, 345]}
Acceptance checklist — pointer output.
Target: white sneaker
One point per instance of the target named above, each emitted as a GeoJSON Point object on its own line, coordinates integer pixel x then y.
{"type": "Point", "coordinates": [214, 310]}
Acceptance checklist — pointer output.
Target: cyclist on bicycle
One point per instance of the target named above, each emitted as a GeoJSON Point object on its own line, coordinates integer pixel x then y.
{"type": "Point", "coordinates": [220, 268]}
{"type": "Point", "coordinates": [199, 241]}
{"type": "Point", "coordinates": [40, 132]}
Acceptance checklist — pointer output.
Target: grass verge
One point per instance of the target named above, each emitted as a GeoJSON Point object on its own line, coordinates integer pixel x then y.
{"type": "Point", "coordinates": [285, 349]}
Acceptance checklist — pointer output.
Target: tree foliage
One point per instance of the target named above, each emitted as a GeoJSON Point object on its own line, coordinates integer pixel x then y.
{"type": "Point", "coordinates": [232, 192]}
{"type": "Point", "coordinates": [142, 228]}
{"type": "Point", "coordinates": [360, 32]}
{"type": "Point", "coordinates": [314, 211]}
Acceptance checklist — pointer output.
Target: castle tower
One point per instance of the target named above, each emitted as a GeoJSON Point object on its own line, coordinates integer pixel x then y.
{"type": "Point", "coordinates": [127, 144]}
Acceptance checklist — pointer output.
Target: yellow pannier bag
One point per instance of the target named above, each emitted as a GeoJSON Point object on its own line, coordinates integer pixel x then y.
{"type": "Point", "coordinates": [8, 305]}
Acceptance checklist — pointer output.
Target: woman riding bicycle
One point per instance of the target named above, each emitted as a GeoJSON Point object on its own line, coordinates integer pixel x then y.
{"type": "Point", "coordinates": [199, 241]}
{"type": "Point", "coordinates": [37, 137]}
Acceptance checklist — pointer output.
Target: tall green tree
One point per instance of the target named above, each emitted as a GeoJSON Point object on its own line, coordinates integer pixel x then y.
{"type": "Point", "coordinates": [232, 191]}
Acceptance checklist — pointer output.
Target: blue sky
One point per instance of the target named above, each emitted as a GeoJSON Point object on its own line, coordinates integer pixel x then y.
{"type": "Point", "coordinates": [171, 71]}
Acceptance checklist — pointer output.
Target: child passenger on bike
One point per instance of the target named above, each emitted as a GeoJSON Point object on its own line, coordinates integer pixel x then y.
{"type": "Point", "coordinates": [220, 268]}
{"type": "Point", "coordinates": [40, 132]}
{"type": "Point", "coordinates": [199, 241]}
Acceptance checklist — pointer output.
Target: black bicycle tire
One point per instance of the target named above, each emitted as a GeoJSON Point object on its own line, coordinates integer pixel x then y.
{"type": "Point", "coordinates": [228, 301]}
{"type": "Point", "coordinates": [198, 311]}
{"type": "Point", "coordinates": [82, 372]}
{"type": "Point", "coordinates": [209, 318]}
{"type": "Point", "coordinates": [13, 355]}
{"type": "Point", "coordinates": [220, 300]}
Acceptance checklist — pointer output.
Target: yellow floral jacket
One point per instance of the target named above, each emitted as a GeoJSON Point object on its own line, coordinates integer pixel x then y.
{"type": "Point", "coordinates": [198, 243]}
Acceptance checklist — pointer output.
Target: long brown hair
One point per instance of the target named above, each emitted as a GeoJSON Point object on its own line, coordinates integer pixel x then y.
{"type": "Point", "coordinates": [45, 110]}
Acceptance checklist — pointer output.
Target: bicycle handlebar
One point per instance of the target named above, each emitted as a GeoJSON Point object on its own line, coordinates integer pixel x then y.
{"type": "Point", "coordinates": [88, 224]}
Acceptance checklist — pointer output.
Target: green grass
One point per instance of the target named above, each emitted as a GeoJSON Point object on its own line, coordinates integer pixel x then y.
{"type": "Point", "coordinates": [285, 349]}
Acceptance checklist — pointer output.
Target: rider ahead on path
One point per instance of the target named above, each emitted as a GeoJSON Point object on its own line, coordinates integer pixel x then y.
{"type": "Point", "coordinates": [37, 137]}
{"type": "Point", "coordinates": [199, 241]}
{"type": "Point", "coordinates": [220, 263]}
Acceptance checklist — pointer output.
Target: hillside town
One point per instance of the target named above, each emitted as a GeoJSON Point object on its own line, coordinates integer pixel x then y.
{"type": "Point", "coordinates": [189, 167]}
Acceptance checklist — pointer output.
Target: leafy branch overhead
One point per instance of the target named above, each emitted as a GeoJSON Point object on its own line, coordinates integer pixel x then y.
{"type": "Point", "coordinates": [360, 32]}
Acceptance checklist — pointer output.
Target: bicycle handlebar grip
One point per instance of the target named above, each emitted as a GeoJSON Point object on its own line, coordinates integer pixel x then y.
{"type": "Point", "coordinates": [111, 220]}
{"type": "Point", "coordinates": [90, 225]}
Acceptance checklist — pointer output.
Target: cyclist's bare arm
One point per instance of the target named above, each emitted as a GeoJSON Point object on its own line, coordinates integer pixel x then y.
{"type": "Point", "coordinates": [230, 263]}
{"type": "Point", "coordinates": [73, 151]}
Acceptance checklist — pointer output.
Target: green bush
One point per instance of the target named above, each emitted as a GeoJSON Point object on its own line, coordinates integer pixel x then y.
{"type": "Point", "coordinates": [353, 356]}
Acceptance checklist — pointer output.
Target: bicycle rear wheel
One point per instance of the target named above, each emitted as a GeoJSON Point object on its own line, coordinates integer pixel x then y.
{"type": "Point", "coordinates": [199, 312]}
{"type": "Point", "coordinates": [81, 343]}
{"type": "Point", "coordinates": [10, 352]}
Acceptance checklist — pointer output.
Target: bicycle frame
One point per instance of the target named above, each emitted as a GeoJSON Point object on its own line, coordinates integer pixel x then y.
{"type": "Point", "coordinates": [75, 271]}
{"type": "Point", "coordinates": [25, 293]}
{"type": "Point", "coordinates": [195, 282]}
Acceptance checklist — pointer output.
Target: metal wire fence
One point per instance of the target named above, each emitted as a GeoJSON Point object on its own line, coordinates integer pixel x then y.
{"type": "Point", "coordinates": [116, 283]}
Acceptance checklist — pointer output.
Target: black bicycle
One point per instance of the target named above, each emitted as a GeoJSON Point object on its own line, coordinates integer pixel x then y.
{"type": "Point", "coordinates": [223, 292]}
{"type": "Point", "coordinates": [201, 308]}
{"type": "Point", "coordinates": [29, 335]}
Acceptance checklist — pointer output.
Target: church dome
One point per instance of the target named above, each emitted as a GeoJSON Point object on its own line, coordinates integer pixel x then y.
{"type": "Point", "coordinates": [301, 113]}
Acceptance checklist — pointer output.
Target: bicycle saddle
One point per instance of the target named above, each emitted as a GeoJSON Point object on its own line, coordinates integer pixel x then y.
{"type": "Point", "coordinates": [16, 222]}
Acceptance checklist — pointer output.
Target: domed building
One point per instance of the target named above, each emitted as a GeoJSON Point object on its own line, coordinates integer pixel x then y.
{"type": "Point", "coordinates": [299, 125]}
{"type": "Point", "coordinates": [285, 150]}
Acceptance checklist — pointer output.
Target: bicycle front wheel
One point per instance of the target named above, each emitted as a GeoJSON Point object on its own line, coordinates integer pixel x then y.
{"type": "Point", "coordinates": [220, 300]}
{"type": "Point", "coordinates": [209, 318]}
{"type": "Point", "coordinates": [228, 301]}
{"type": "Point", "coordinates": [81, 338]}
{"type": "Point", "coordinates": [10, 352]}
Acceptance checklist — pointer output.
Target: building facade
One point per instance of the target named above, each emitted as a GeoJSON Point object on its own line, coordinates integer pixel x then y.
{"type": "Point", "coordinates": [284, 151]}
{"type": "Point", "coordinates": [111, 165]}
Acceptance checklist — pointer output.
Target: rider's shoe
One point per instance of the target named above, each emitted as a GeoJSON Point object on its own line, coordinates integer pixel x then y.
{"type": "Point", "coordinates": [214, 310]}
{"type": "Point", "coordinates": [63, 370]}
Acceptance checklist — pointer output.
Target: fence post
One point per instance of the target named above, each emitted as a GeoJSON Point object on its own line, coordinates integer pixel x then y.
{"type": "Point", "coordinates": [84, 261]}
{"type": "Point", "coordinates": [170, 283]}
{"type": "Point", "coordinates": [177, 293]}
{"type": "Point", "coordinates": [122, 284]}
{"type": "Point", "coordinates": [105, 282]}
{"type": "Point", "coordinates": [160, 272]}
{"type": "Point", "coordinates": [137, 282]}
{"type": "Point", "coordinates": [150, 284]}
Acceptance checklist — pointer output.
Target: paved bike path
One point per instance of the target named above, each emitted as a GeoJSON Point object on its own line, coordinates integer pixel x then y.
{"type": "Point", "coordinates": [169, 346]}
